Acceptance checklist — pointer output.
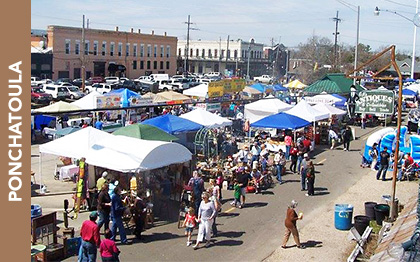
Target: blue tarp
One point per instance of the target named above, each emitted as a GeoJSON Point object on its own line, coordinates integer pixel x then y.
{"type": "Point", "coordinates": [281, 121]}
{"type": "Point", "coordinates": [340, 103]}
{"type": "Point", "coordinates": [125, 94]}
{"type": "Point", "coordinates": [172, 124]}
{"type": "Point", "coordinates": [409, 80]}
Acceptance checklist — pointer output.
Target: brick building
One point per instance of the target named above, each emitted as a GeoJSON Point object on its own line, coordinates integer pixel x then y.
{"type": "Point", "coordinates": [130, 54]}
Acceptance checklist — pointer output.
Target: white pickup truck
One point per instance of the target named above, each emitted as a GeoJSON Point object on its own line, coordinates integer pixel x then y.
{"type": "Point", "coordinates": [263, 79]}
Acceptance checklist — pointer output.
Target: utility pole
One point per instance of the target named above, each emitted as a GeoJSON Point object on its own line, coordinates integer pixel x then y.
{"type": "Point", "coordinates": [413, 61]}
{"type": "Point", "coordinates": [336, 20]}
{"type": "Point", "coordinates": [188, 44]}
{"type": "Point", "coordinates": [277, 56]}
{"type": "Point", "coordinates": [220, 52]}
{"type": "Point", "coordinates": [83, 56]}
{"type": "Point", "coordinates": [227, 50]}
{"type": "Point", "coordinates": [356, 51]}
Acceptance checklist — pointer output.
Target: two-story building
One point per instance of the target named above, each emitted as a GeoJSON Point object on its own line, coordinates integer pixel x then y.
{"type": "Point", "coordinates": [106, 52]}
{"type": "Point", "coordinates": [217, 56]}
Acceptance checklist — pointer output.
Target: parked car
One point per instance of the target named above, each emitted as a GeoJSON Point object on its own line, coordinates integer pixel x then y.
{"type": "Point", "coordinates": [96, 79]}
{"type": "Point", "coordinates": [213, 74]}
{"type": "Point", "coordinates": [98, 87]}
{"type": "Point", "coordinates": [63, 80]}
{"type": "Point", "coordinates": [39, 96]}
{"type": "Point", "coordinates": [74, 91]}
{"type": "Point", "coordinates": [112, 80]}
{"type": "Point", "coordinates": [164, 85]}
{"type": "Point", "coordinates": [144, 80]}
{"type": "Point", "coordinates": [57, 92]}
{"type": "Point", "coordinates": [135, 86]}
{"type": "Point", "coordinates": [263, 79]}
{"type": "Point", "coordinates": [36, 81]}
{"type": "Point", "coordinates": [123, 79]}
{"type": "Point", "coordinates": [78, 82]}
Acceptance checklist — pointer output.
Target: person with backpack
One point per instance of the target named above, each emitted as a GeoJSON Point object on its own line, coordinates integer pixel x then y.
{"type": "Point", "coordinates": [197, 184]}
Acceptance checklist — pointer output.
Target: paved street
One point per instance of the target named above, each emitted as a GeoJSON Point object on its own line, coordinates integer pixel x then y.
{"type": "Point", "coordinates": [251, 233]}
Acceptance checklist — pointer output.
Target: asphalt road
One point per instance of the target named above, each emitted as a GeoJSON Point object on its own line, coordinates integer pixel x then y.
{"type": "Point", "coordinates": [254, 232]}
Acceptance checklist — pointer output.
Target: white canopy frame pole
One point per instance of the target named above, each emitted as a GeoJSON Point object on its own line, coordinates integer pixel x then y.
{"type": "Point", "coordinates": [40, 171]}
{"type": "Point", "coordinates": [313, 136]}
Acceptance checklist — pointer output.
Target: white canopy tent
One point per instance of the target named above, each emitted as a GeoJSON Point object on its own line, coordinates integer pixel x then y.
{"type": "Point", "coordinates": [207, 119]}
{"type": "Point", "coordinates": [87, 102]}
{"type": "Point", "coordinates": [60, 106]}
{"type": "Point", "coordinates": [414, 87]}
{"type": "Point", "coordinates": [331, 110]}
{"type": "Point", "coordinates": [263, 108]}
{"type": "Point", "coordinates": [118, 153]}
{"type": "Point", "coordinates": [307, 112]}
{"type": "Point", "coordinates": [198, 91]}
{"type": "Point", "coordinates": [153, 154]}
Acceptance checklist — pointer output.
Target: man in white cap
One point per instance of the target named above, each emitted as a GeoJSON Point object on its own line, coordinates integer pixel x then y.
{"type": "Point", "coordinates": [303, 168]}
{"type": "Point", "coordinates": [101, 181]}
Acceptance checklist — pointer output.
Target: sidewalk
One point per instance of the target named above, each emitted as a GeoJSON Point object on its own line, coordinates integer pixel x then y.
{"type": "Point", "coordinates": [325, 243]}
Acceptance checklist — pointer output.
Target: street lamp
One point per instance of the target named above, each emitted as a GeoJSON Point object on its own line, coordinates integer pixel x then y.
{"type": "Point", "coordinates": [250, 45]}
{"type": "Point", "coordinates": [416, 21]}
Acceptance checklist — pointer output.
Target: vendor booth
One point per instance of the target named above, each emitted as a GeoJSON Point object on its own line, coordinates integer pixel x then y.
{"type": "Point", "coordinates": [200, 91]}
{"type": "Point", "coordinates": [206, 118]}
{"type": "Point", "coordinates": [88, 102]}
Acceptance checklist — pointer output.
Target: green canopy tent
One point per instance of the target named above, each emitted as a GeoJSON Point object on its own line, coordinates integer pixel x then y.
{"type": "Point", "coordinates": [336, 83]}
{"type": "Point", "coordinates": [146, 132]}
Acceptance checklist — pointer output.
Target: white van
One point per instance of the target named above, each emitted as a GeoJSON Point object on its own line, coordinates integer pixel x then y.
{"type": "Point", "coordinates": [112, 80]}
{"type": "Point", "coordinates": [57, 92]}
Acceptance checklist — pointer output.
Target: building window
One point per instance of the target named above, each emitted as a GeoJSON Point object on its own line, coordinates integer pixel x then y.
{"type": "Point", "coordinates": [103, 48]}
{"type": "Point", "coordinates": [77, 47]}
{"type": "Point", "coordinates": [222, 53]}
{"type": "Point", "coordinates": [87, 47]}
{"type": "Point", "coordinates": [67, 46]}
{"type": "Point", "coordinates": [127, 49]}
{"type": "Point", "coordinates": [235, 54]}
{"type": "Point", "coordinates": [228, 53]}
{"type": "Point", "coordinates": [197, 52]}
{"type": "Point", "coordinates": [215, 53]}
{"type": "Point", "coordinates": [33, 66]}
{"type": "Point", "coordinates": [149, 50]}
{"type": "Point", "coordinates": [135, 50]}
{"type": "Point", "coordinates": [168, 51]}
{"type": "Point", "coordinates": [119, 49]}
{"type": "Point", "coordinates": [141, 64]}
{"type": "Point", "coordinates": [155, 51]}
{"type": "Point", "coordinates": [154, 64]}
{"type": "Point", "coordinates": [161, 64]}
{"type": "Point", "coordinates": [203, 53]}
{"type": "Point", "coordinates": [167, 64]}
{"type": "Point", "coordinates": [191, 52]}
{"type": "Point", "coordinates": [243, 54]}
{"type": "Point", "coordinates": [141, 50]}
{"type": "Point", "coordinates": [252, 54]}
{"type": "Point", "coordinates": [112, 49]}
{"type": "Point", "coordinates": [148, 64]}
{"type": "Point", "coordinates": [179, 51]}
{"type": "Point", "coordinates": [134, 65]}
{"type": "Point", "coordinates": [95, 47]}
{"type": "Point", "coordinates": [209, 53]}
{"type": "Point", "coordinates": [162, 51]}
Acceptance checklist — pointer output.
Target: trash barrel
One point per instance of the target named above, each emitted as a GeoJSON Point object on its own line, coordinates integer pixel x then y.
{"type": "Point", "coordinates": [343, 216]}
{"type": "Point", "coordinates": [381, 211]}
{"type": "Point", "coordinates": [369, 211]}
{"type": "Point", "coordinates": [36, 211]}
{"type": "Point", "coordinates": [361, 223]}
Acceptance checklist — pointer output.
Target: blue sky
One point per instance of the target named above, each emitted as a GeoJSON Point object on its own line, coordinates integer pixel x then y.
{"type": "Point", "coordinates": [293, 20]}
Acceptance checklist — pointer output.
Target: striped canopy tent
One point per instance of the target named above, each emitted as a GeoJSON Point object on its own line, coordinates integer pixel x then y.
{"type": "Point", "coordinates": [295, 84]}
{"type": "Point", "coordinates": [331, 84]}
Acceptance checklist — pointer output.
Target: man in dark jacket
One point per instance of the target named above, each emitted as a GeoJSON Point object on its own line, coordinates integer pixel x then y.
{"type": "Point", "coordinates": [347, 135]}
{"type": "Point", "coordinates": [117, 211]}
{"type": "Point", "coordinates": [384, 164]}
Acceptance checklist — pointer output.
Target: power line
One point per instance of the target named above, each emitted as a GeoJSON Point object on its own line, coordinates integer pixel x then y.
{"type": "Point", "coordinates": [400, 4]}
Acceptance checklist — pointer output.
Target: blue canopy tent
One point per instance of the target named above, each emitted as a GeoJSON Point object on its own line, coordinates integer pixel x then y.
{"type": "Point", "coordinates": [173, 124]}
{"type": "Point", "coordinates": [126, 95]}
{"type": "Point", "coordinates": [409, 92]}
{"type": "Point", "coordinates": [260, 87]}
{"type": "Point", "coordinates": [409, 80]}
{"type": "Point", "coordinates": [281, 121]}
{"type": "Point", "coordinates": [280, 88]}
{"type": "Point", "coordinates": [340, 103]}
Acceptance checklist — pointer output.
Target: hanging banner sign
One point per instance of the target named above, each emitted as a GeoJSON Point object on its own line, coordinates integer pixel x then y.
{"type": "Point", "coordinates": [375, 102]}
{"type": "Point", "coordinates": [226, 86]}
{"type": "Point", "coordinates": [215, 89]}
{"type": "Point", "coordinates": [108, 101]}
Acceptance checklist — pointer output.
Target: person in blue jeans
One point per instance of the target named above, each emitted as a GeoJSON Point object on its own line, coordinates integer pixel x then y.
{"type": "Point", "coordinates": [301, 152]}
{"type": "Point", "coordinates": [90, 239]}
{"type": "Point", "coordinates": [384, 164]}
{"type": "Point", "coordinates": [303, 170]}
{"type": "Point", "coordinates": [117, 211]}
